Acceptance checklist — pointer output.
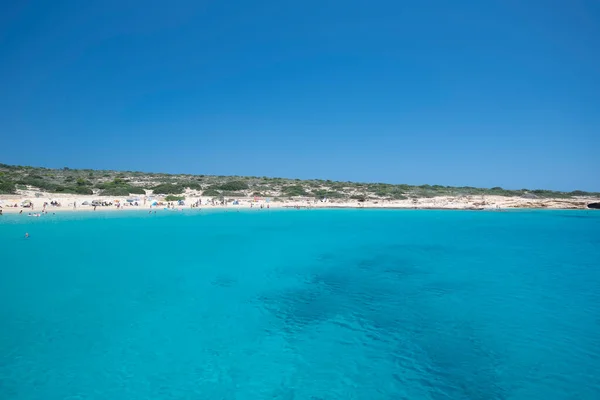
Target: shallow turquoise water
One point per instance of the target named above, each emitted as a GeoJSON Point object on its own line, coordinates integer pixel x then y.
{"type": "Point", "coordinates": [321, 304]}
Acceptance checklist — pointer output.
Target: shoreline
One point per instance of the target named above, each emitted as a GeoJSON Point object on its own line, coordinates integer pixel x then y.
{"type": "Point", "coordinates": [209, 210]}
{"type": "Point", "coordinates": [468, 203]}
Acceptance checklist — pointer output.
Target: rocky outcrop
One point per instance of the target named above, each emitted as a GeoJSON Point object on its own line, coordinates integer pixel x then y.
{"type": "Point", "coordinates": [594, 205]}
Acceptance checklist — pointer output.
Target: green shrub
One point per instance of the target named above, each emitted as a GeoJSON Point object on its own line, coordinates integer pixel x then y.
{"type": "Point", "coordinates": [83, 182]}
{"type": "Point", "coordinates": [192, 185]}
{"type": "Point", "coordinates": [331, 194]}
{"type": "Point", "coordinates": [82, 190]}
{"type": "Point", "coordinates": [136, 190]}
{"type": "Point", "coordinates": [579, 193]}
{"type": "Point", "coordinates": [359, 197]}
{"type": "Point", "coordinates": [234, 186]}
{"type": "Point", "coordinates": [72, 189]}
{"type": "Point", "coordinates": [7, 187]}
{"type": "Point", "coordinates": [398, 196]}
{"type": "Point", "coordinates": [168, 188]}
{"type": "Point", "coordinates": [38, 183]}
{"type": "Point", "coordinates": [337, 185]}
{"type": "Point", "coordinates": [60, 189]}
{"type": "Point", "coordinates": [293, 190]}
{"type": "Point", "coordinates": [119, 187]}
{"type": "Point", "coordinates": [228, 193]}
{"type": "Point", "coordinates": [174, 198]}
{"type": "Point", "coordinates": [118, 191]}
{"type": "Point", "coordinates": [211, 193]}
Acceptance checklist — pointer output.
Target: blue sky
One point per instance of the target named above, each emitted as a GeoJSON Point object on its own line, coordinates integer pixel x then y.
{"type": "Point", "coordinates": [478, 93]}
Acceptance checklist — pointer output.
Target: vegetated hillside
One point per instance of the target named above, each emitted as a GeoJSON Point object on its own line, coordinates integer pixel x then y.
{"type": "Point", "coordinates": [124, 183]}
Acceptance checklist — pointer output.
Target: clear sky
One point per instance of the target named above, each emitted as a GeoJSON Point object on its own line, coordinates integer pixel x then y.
{"type": "Point", "coordinates": [477, 93]}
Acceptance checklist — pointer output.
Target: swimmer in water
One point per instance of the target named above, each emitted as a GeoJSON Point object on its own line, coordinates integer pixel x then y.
{"type": "Point", "coordinates": [26, 235]}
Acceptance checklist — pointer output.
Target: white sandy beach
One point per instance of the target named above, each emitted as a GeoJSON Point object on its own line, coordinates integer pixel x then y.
{"type": "Point", "coordinates": [69, 202]}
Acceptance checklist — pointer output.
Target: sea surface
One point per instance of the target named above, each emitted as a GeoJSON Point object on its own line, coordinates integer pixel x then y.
{"type": "Point", "coordinates": [302, 304]}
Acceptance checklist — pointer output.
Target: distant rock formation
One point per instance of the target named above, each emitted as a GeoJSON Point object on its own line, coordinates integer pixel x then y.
{"type": "Point", "coordinates": [594, 205]}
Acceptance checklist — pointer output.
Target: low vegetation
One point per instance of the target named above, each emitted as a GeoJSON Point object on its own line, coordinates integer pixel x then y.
{"type": "Point", "coordinates": [174, 198]}
{"type": "Point", "coordinates": [234, 186]}
{"type": "Point", "coordinates": [119, 186]}
{"type": "Point", "coordinates": [7, 187]}
{"type": "Point", "coordinates": [168, 188]}
{"type": "Point", "coordinates": [15, 179]}
{"type": "Point", "coordinates": [211, 193]}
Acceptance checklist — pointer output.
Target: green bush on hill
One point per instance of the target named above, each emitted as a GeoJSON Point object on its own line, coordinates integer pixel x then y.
{"type": "Point", "coordinates": [174, 198]}
{"type": "Point", "coordinates": [73, 189]}
{"type": "Point", "coordinates": [82, 190]}
{"type": "Point", "coordinates": [118, 187]}
{"type": "Point", "coordinates": [115, 191]}
{"type": "Point", "coordinates": [7, 187]}
{"type": "Point", "coordinates": [192, 185]}
{"type": "Point", "coordinates": [38, 183]}
{"type": "Point", "coordinates": [211, 193]}
{"type": "Point", "coordinates": [579, 193]}
{"type": "Point", "coordinates": [233, 194]}
{"type": "Point", "coordinates": [168, 188]}
{"type": "Point", "coordinates": [234, 186]}
{"type": "Point", "coordinates": [136, 190]}
{"type": "Point", "coordinates": [395, 192]}
{"type": "Point", "coordinates": [330, 194]}
{"type": "Point", "coordinates": [83, 182]}
{"type": "Point", "coordinates": [397, 196]}
{"type": "Point", "coordinates": [124, 190]}
{"type": "Point", "coordinates": [293, 190]}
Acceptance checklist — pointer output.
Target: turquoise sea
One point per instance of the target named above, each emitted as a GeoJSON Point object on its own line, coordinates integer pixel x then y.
{"type": "Point", "coordinates": [302, 304]}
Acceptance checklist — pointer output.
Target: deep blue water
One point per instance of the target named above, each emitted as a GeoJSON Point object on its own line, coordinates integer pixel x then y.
{"type": "Point", "coordinates": [317, 304]}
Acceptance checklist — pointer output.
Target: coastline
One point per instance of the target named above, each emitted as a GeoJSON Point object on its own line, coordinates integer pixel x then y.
{"type": "Point", "coordinates": [472, 203]}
